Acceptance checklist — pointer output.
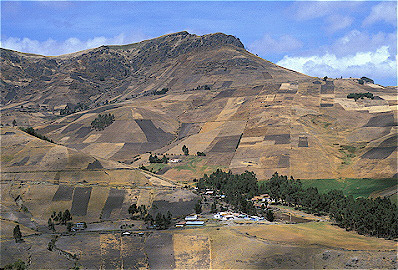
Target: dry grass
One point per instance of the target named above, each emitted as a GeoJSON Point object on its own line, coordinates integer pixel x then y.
{"type": "Point", "coordinates": [199, 142]}
{"type": "Point", "coordinates": [191, 251]}
{"type": "Point", "coordinates": [103, 150]}
{"type": "Point", "coordinates": [318, 233]}
{"type": "Point", "coordinates": [230, 108]}
{"type": "Point", "coordinates": [97, 201]}
{"type": "Point", "coordinates": [110, 246]}
{"type": "Point", "coordinates": [146, 197]}
{"type": "Point", "coordinates": [92, 138]}
{"type": "Point", "coordinates": [7, 229]}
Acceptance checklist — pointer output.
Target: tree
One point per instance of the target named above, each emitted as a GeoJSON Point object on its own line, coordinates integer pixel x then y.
{"type": "Point", "coordinates": [51, 224]}
{"type": "Point", "coordinates": [198, 208]}
{"type": "Point", "coordinates": [164, 159]}
{"type": "Point", "coordinates": [167, 219]}
{"type": "Point", "coordinates": [66, 217]}
{"type": "Point", "coordinates": [17, 234]}
{"type": "Point", "coordinates": [169, 215]}
{"type": "Point", "coordinates": [69, 226]}
{"type": "Point", "coordinates": [214, 207]}
{"type": "Point", "coordinates": [148, 219]}
{"type": "Point", "coordinates": [185, 150]}
{"type": "Point", "coordinates": [269, 215]}
{"type": "Point", "coordinates": [14, 122]}
{"type": "Point", "coordinates": [201, 154]}
{"type": "Point", "coordinates": [133, 209]}
{"type": "Point", "coordinates": [325, 78]}
{"type": "Point", "coordinates": [159, 221]}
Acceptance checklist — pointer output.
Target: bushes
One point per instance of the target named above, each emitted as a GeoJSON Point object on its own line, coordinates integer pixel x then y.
{"type": "Point", "coordinates": [155, 159]}
{"type": "Point", "coordinates": [367, 80]}
{"type": "Point", "coordinates": [33, 132]}
{"type": "Point", "coordinates": [161, 92]}
{"type": "Point", "coordinates": [102, 121]}
{"type": "Point", "coordinates": [203, 87]}
{"type": "Point", "coordinates": [17, 265]}
{"type": "Point", "coordinates": [357, 96]}
{"type": "Point", "coordinates": [162, 222]}
{"type": "Point", "coordinates": [17, 234]}
{"type": "Point", "coordinates": [70, 108]}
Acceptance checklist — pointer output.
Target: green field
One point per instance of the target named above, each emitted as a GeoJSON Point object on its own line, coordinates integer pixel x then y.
{"type": "Point", "coordinates": [351, 186]}
{"type": "Point", "coordinates": [191, 164]}
{"type": "Point", "coordinates": [155, 167]}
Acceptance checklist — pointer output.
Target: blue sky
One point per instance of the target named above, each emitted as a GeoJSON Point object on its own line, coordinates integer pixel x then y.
{"type": "Point", "coordinates": [333, 38]}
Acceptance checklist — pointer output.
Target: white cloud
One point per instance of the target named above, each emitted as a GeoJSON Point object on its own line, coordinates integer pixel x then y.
{"type": "Point", "coordinates": [308, 10]}
{"type": "Point", "coordinates": [355, 40]}
{"type": "Point", "coordinates": [385, 11]}
{"type": "Point", "coordinates": [268, 44]}
{"type": "Point", "coordinates": [374, 64]}
{"type": "Point", "coordinates": [312, 10]}
{"type": "Point", "coordinates": [338, 22]}
{"type": "Point", "coordinates": [53, 47]}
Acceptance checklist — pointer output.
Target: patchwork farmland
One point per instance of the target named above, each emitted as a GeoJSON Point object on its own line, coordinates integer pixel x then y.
{"type": "Point", "coordinates": [232, 111]}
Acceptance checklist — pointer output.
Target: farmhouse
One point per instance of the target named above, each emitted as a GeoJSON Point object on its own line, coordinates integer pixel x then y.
{"type": "Point", "coordinates": [180, 224]}
{"type": "Point", "coordinates": [79, 226]}
{"type": "Point", "coordinates": [191, 218]}
{"type": "Point", "coordinates": [195, 223]}
{"type": "Point", "coordinates": [174, 160]}
{"type": "Point", "coordinates": [225, 215]}
{"type": "Point", "coordinates": [262, 198]}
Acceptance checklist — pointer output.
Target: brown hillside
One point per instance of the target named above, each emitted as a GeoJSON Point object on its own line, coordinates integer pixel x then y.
{"type": "Point", "coordinates": [243, 112]}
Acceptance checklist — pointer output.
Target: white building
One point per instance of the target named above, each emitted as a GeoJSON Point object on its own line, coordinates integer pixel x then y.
{"type": "Point", "coordinates": [191, 218]}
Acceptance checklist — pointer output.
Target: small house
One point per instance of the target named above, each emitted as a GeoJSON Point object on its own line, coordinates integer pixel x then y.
{"type": "Point", "coordinates": [79, 226]}
{"type": "Point", "coordinates": [195, 223]}
{"type": "Point", "coordinates": [180, 224]}
{"type": "Point", "coordinates": [191, 218]}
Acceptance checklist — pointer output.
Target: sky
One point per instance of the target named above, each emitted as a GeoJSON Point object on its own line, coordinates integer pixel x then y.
{"type": "Point", "coordinates": [318, 38]}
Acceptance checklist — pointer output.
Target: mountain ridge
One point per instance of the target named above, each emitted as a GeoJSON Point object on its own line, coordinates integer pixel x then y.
{"type": "Point", "coordinates": [92, 72]}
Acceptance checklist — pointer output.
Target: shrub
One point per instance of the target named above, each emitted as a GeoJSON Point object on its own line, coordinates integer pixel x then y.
{"type": "Point", "coordinates": [33, 132]}
{"type": "Point", "coordinates": [102, 121]}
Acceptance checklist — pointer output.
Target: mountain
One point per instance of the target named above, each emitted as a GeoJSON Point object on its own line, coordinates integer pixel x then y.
{"type": "Point", "coordinates": [177, 61]}
{"type": "Point", "coordinates": [210, 94]}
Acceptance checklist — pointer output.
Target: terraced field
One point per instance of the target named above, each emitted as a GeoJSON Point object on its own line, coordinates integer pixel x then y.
{"type": "Point", "coordinates": [242, 112]}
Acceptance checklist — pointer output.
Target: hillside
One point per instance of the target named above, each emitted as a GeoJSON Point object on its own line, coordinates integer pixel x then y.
{"type": "Point", "coordinates": [243, 112]}
{"type": "Point", "coordinates": [178, 61]}
{"type": "Point", "coordinates": [106, 110]}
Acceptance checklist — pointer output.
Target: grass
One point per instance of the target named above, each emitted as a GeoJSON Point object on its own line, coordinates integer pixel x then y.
{"type": "Point", "coordinates": [195, 167]}
{"type": "Point", "coordinates": [191, 164]}
{"type": "Point", "coordinates": [348, 152]}
{"type": "Point", "coordinates": [394, 199]}
{"type": "Point", "coordinates": [318, 233]}
{"type": "Point", "coordinates": [6, 158]}
{"type": "Point", "coordinates": [155, 167]}
{"type": "Point", "coordinates": [351, 186]}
